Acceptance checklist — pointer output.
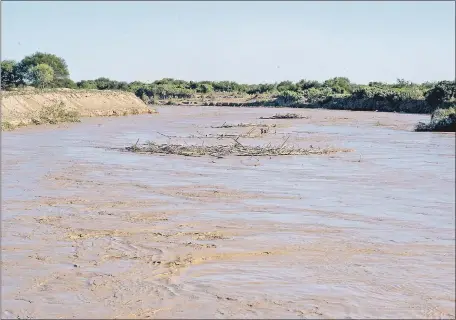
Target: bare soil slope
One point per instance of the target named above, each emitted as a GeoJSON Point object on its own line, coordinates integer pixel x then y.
{"type": "Point", "coordinates": [20, 107]}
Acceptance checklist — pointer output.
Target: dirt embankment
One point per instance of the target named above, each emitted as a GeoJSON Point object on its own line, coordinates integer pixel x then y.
{"type": "Point", "coordinates": [23, 107]}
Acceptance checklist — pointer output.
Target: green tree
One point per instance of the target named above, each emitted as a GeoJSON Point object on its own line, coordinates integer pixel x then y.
{"type": "Point", "coordinates": [307, 84]}
{"type": "Point", "coordinates": [317, 95]}
{"type": "Point", "coordinates": [402, 83]}
{"type": "Point", "coordinates": [205, 88]}
{"type": "Point", "coordinates": [41, 75]}
{"type": "Point", "coordinates": [339, 85]}
{"type": "Point", "coordinates": [57, 64]}
{"type": "Point", "coordinates": [286, 86]}
{"type": "Point", "coordinates": [122, 85]}
{"type": "Point", "coordinates": [377, 84]}
{"type": "Point", "coordinates": [442, 92]}
{"type": "Point", "coordinates": [10, 77]}
{"type": "Point", "coordinates": [86, 84]}
{"type": "Point", "coordinates": [288, 97]}
{"type": "Point", "coordinates": [64, 83]}
{"type": "Point", "coordinates": [103, 83]}
{"type": "Point", "coordinates": [428, 85]}
{"type": "Point", "coordinates": [225, 86]}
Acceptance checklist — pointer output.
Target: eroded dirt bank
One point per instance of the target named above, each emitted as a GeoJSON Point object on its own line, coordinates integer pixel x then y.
{"type": "Point", "coordinates": [23, 106]}
{"type": "Point", "coordinates": [91, 232]}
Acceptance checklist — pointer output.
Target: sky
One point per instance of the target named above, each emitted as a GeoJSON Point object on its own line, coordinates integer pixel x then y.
{"type": "Point", "coordinates": [248, 42]}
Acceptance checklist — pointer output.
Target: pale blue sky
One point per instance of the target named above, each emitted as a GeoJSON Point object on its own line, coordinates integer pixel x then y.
{"type": "Point", "coordinates": [249, 42]}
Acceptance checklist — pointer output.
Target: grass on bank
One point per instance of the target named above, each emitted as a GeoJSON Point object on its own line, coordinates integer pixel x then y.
{"type": "Point", "coordinates": [8, 126]}
{"type": "Point", "coordinates": [56, 113]}
{"type": "Point", "coordinates": [53, 114]}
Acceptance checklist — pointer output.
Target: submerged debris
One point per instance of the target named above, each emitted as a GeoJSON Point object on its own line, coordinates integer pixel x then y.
{"type": "Point", "coordinates": [219, 136]}
{"type": "Point", "coordinates": [285, 116]}
{"type": "Point", "coordinates": [235, 149]}
{"type": "Point", "coordinates": [243, 125]}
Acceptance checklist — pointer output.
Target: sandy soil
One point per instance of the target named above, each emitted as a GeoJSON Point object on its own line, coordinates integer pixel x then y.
{"type": "Point", "coordinates": [21, 106]}
{"type": "Point", "coordinates": [91, 232]}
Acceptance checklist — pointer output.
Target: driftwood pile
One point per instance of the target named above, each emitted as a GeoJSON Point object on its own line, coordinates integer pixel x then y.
{"type": "Point", "coordinates": [285, 116]}
{"type": "Point", "coordinates": [235, 149]}
{"type": "Point", "coordinates": [243, 125]}
{"type": "Point", "coordinates": [220, 136]}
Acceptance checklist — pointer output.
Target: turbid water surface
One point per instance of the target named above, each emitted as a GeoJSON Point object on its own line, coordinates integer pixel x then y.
{"type": "Point", "coordinates": [92, 232]}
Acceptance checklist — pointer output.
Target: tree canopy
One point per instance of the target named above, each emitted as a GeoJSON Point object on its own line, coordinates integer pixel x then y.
{"type": "Point", "coordinates": [41, 75]}
{"type": "Point", "coordinates": [9, 77]}
{"type": "Point", "coordinates": [441, 92]}
{"type": "Point", "coordinates": [58, 65]}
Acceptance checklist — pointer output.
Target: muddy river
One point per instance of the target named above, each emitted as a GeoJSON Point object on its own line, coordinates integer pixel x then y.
{"type": "Point", "coordinates": [92, 232]}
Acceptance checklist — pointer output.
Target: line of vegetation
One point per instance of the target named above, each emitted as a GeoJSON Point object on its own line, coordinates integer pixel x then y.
{"type": "Point", "coordinates": [44, 70]}
{"type": "Point", "coordinates": [442, 120]}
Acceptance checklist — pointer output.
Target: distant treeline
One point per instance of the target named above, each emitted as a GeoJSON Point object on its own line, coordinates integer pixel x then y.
{"type": "Point", "coordinates": [43, 70]}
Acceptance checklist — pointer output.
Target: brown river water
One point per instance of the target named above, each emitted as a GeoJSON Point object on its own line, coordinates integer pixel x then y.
{"type": "Point", "coordinates": [92, 232]}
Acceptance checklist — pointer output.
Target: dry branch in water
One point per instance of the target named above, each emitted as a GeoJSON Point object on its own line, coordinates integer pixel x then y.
{"type": "Point", "coordinates": [225, 125]}
{"type": "Point", "coordinates": [219, 136]}
{"type": "Point", "coordinates": [235, 149]}
{"type": "Point", "coordinates": [285, 116]}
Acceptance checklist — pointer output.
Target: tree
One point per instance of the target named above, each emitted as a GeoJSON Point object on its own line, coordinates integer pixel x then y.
{"type": "Point", "coordinates": [10, 78]}
{"type": "Point", "coordinates": [122, 85]}
{"type": "Point", "coordinates": [307, 84]}
{"type": "Point", "coordinates": [103, 83]}
{"type": "Point", "coordinates": [442, 92]}
{"type": "Point", "coordinates": [86, 84]}
{"type": "Point", "coordinates": [286, 86]}
{"type": "Point", "coordinates": [205, 88]}
{"type": "Point", "coordinates": [57, 64]}
{"type": "Point", "coordinates": [64, 83]}
{"type": "Point", "coordinates": [377, 84]}
{"type": "Point", "coordinates": [288, 97]}
{"type": "Point", "coordinates": [402, 83]}
{"type": "Point", "coordinates": [339, 84]}
{"type": "Point", "coordinates": [41, 75]}
{"type": "Point", "coordinates": [224, 86]}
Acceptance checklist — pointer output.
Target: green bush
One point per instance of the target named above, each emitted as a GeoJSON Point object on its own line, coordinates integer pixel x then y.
{"type": "Point", "coordinates": [288, 97]}
{"type": "Point", "coordinates": [55, 114]}
{"type": "Point", "coordinates": [442, 92]}
{"type": "Point", "coordinates": [10, 76]}
{"type": "Point", "coordinates": [443, 120]}
{"type": "Point", "coordinates": [316, 95]}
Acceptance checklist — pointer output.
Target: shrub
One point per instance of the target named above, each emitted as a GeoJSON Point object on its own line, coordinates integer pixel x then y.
{"type": "Point", "coordinates": [55, 114]}
{"type": "Point", "coordinates": [443, 120]}
{"type": "Point", "coordinates": [442, 92]}
{"type": "Point", "coordinates": [288, 97]}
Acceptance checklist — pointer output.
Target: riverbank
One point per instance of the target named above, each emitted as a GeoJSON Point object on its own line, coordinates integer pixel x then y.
{"type": "Point", "coordinates": [341, 103]}
{"type": "Point", "coordinates": [336, 102]}
{"type": "Point", "coordinates": [25, 107]}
